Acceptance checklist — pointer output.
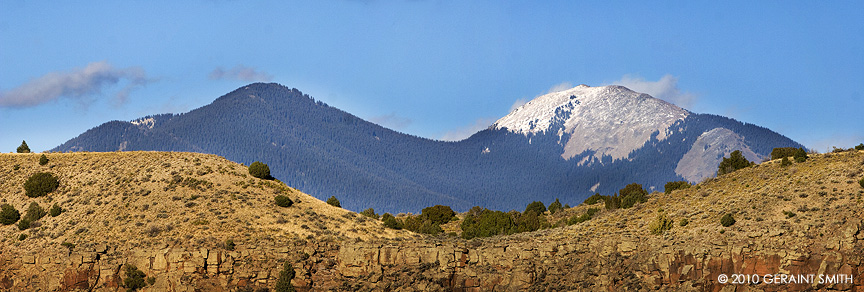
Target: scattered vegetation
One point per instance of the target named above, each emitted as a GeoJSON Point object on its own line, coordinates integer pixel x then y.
{"type": "Point", "coordinates": [575, 219]}
{"type": "Point", "coordinates": [283, 201]}
{"type": "Point", "coordinates": [283, 283]}
{"type": "Point", "coordinates": [789, 214]}
{"type": "Point", "coordinates": [43, 160]}
{"type": "Point", "coordinates": [535, 206]}
{"type": "Point", "coordinates": [860, 147]}
{"type": "Point", "coordinates": [259, 170]}
{"type": "Point", "coordinates": [55, 210]}
{"type": "Point", "coordinates": [8, 214]}
{"type": "Point", "coordinates": [594, 199]}
{"type": "Point", "coordinates": [661, 224]}
{"type": "Point", "coordinates": [683, 222]}
{"type": "Point", "coordinates": [23, 148]}
{"type": "Point", "coordinates": [727, 220]}
{"type": "Point", "coordinates": [430, 219]}
{"type": "Point", "coordinates": [785, 162]}
{"type": "Point", "coordinates": [135, 278]}
{"type": "Point", "coordinates": [778, 153]}
{"type": "Point", "coordinates": [800, 155]}
{"type": "Point", "coordinates": [555, 206]}
{"type": "Point", "coordinates": [34, 213]}
{"type": "Point", "coordinates": [735, 162]}
{"type": "Point", "coordinates": [333, 201]}
{"type": "Point", "coordinates": [390, 221]}
{"type": "Point", "coordinates": [676, 185]}
{"type": "Point", "coordinates": [40, 184]}
{"type": "Point", "coordinates": [370, 213]}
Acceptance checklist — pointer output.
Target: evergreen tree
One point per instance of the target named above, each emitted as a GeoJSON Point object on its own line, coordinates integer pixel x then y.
{"type": "Point", "coordinates": [632, 194]}
{"type": "Point", "coordinates": [535, 206]}
{"type": "Point", "coordinates": [333, 201]}
{"type": "Point", "coordinates": [43, 160]}
{"type": "Point", "coordinates": [283, 284]}
{"type": "Point", "coordinates": [555, 206]}
{"type": "Point", "coordinates": [8, 214]}
{"type": "Point", "coordinates": [23, 148]}
{"type": "Point", "coordinates": [735, 162]}
{"type": "Point", "coordinates": [800, 155]}
{"type": "Point", "coordinates": [259, 170]}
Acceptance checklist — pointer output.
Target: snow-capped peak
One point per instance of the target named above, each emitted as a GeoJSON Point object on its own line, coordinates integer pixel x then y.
{"type": "Point", "coordinates": [609, 120]}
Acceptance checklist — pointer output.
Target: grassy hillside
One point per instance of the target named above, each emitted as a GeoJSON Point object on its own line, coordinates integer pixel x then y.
{"type": "Point", "coordinates": [152, 199]}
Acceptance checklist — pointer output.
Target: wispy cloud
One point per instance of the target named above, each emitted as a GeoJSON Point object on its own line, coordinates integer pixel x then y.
{"type": "Point", "coordinates": [666, 89]}
{"type": "Point", "coordinates": [555, 88]}
{"type": "Point", "coordinates": [392, 121]}
{"type": "Point", "coordinates": [79, 84]}
{"type": "Point", "coordinates": [240, 72]}
{"type": "Point", "coordinates": [468, 130]}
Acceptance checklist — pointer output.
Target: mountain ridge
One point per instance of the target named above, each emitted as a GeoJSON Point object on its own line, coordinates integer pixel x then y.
{"type": "Point", "coordinates": [326, 152]}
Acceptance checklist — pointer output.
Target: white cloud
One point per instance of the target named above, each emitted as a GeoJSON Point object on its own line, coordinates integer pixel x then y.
{"type": "Point", "coordinates": [80, 84]}
{"type": "Point", "coordinates": [666, 89]}
{"type": "Point", "coordinates": [468, 130]}
{"type": "Point", "coordinates": [241, 73]}
{"type": "Point", "coordinates": [555, 88]}
{"type": "Point", "coordinates": [392, 121]}
{"type": "Point", "coordinates": [559, 87]}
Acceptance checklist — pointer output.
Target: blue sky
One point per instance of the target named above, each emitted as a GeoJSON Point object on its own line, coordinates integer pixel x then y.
{"type": "Point", "coordinates": [437, 69]}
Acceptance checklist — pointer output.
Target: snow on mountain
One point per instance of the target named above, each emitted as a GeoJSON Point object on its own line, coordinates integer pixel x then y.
{"type": "Point", "coordinates": [147, 122]}
{"type": "Point", "coordinates": [608, 120]}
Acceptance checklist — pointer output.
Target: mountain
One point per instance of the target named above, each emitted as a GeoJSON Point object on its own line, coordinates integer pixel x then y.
{"type": "Point", "coordinates": [567, 145]}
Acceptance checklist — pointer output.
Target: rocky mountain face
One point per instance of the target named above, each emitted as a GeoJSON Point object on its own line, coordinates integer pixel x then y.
{"type": "Point", "coordinates": [614, 251]}
{"type": "Point", "coordinates": [568, 145]}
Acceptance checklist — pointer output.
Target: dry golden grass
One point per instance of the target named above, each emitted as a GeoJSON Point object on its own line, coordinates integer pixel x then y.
{"type": "Point", "coordinates": [168, 198]}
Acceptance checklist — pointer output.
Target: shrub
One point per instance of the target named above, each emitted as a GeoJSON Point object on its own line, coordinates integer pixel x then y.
{"type": "Point", "coordinates": [683, 222]}
{"type": "Point", "coordinates": [134, 278]}
{"type": "Point", "coordinates": [16, 167]}
{"type": "Point", "coordinates": [40, 184]}
{"type": "Point", "coordinates": [735, 162]}
{"type": "Point", "coordinates": [727, 220]}
{"type": "Point", "coordinates": [370, 213]}
{"type": "Point", "coordinates": [23, 148]}
{"type": "Point", "coordinates": [594, 199]}
{"type": "Point", "coordinates": [283, 201]}
{"type": "Point", "coordinates": [23, 224]}
{"type": "Point", "coordinates": [22, 236]}
{"type": "Point", "coordinates": [860, 147]}
{"type": "Point", "coordinates": [612, 202]}
{"type": "Point", "coordinates": [676, 185]}
{"type": "Point", "coordinates": [530, 221]}
{"type": "Point", "coordinates": [55, 210]}
{"type": "Point", "coordinates": [481, 222]}
{"type": "Point", "coordinates": [789, 214]}
{"type": "Point", "coordinates": [535, 206]}
{"type": "Point", "coordinates": [632, 194]}
{"type": "Point", "coordinates": [8, 214]}
{"type": "Point", "coordinates": [785, 162]}
{"type": "Point", "coordinates": [229, 244]}
{"type": "Point", "coordinates": [333, 201]}
{"type": "Point", "coordinates": [661, 224]}
{"type": "Point", "coordinates": [35, 212]}
{"type": "Point", "coordinates": [259, 170]}
{"type": "Point", "coordinates": [555, 207]}
{"type": "Point", "coordinates": [390, 221]}
{"type": "Point", "coordinates": [800, 155]}
{"type": "Point", "coordinates": [422, 224]}
{"type": "Point", "coordinates": [778, 153]}
{"type": "Point", "coordinates": [43, 160]}
{"type": "Point", "coordinates": [861, 182]}
{"type": "Point", "coordinates": [283, 283]}
{"type": "Point", "coordinates": [438, 214]}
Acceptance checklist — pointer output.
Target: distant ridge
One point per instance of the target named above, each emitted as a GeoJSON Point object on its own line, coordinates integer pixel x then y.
{"type": "Point", "coordinates": [566, 145]}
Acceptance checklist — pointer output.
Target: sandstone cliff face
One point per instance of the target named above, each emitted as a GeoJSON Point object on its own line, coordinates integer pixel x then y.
{"type": "Point", "coordinates": [549, 261]}
{"type": "Point", "coordinates": [612, 252]}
